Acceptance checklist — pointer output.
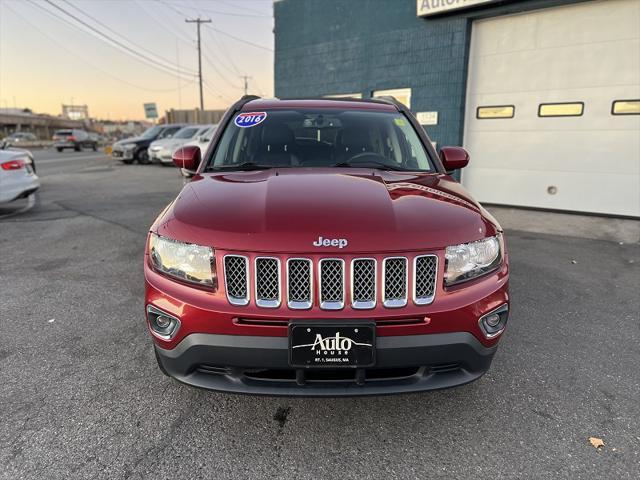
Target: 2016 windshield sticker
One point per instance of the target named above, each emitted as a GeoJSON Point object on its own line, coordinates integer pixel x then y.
{"type": "Point", "coordinates": [250, 119]}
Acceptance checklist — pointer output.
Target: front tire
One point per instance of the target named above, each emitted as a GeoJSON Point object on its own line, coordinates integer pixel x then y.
{"type": "Point", "coordinates": [142, 156]}
{"type": "Point", "coordinates": [77, 148]}
{"type": "Point", "coordinates": [59, 149]}
{"type": "Point", "coordinates": [94, 147]}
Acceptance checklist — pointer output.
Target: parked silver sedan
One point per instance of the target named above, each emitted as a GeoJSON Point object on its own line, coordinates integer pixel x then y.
{"type": "Point", "coordinates": [161, 151]}
{"type": "Point", "coordinates": [18, 177]}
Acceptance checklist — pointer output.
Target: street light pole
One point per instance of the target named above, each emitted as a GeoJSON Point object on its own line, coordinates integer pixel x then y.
{"type": "Point", "coordinates": [198, 21]}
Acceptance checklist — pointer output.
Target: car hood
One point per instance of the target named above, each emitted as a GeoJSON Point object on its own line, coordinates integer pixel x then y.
{"type": "Point", "coordinates": [287, 210]}
{"type": "Point", "coordinates": [132, 140]}
{"type": "Point", "coordinates": [169, 142]}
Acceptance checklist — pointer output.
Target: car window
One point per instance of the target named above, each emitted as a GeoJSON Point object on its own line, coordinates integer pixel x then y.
{"type": "Point", "coordinates": [63, 132]}
{"type": "Point", "coordinates": [186, 132]}
{"type": "Point", "coordinates": [321, 138]}
{"type": "Point", "coordinates": [169, 132]}
{"type": "Point", "coordinates": [151, 131]}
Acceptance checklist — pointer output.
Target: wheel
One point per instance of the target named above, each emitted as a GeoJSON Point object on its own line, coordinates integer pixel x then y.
{"type": "Point", "coordinates": [94, 147]}
{"type": "Point", "coordinates": [77, 147]}
{"type": "Point", "coordinates": [142, 156]}
{"type": "Point", "coordinates": [59, 149]}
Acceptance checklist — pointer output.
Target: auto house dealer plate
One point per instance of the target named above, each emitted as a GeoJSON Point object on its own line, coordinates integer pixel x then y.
{"type": "Point", "coordinates": [326, 344]}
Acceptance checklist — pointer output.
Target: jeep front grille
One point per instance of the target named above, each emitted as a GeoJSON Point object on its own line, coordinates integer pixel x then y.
{"type": "Point", "coordinates": [267, 282]}
{"type": "Point", "coordinates": [331, 283]}
{"type": "Point", "coordinates": [425, 269]}
{"type": "Point", "coordinates": [236, 273]}
{"type": "Point", "coordinates": [363, 283]}
{"type": "Point", "coordinates": [394, 278]}
{"type": "Point", "coordinates": [274, 277]}
{"type": "Point", "coordinates": [299, 283]}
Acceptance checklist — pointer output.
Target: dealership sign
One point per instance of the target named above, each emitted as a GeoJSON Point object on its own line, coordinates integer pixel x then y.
{"type": "Point", "coordinates": [431, 7]}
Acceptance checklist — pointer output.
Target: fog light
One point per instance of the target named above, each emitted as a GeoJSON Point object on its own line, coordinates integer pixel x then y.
{"type": "Point", "coordinates": [492, 320]}
{"type": "Point", "coordinates": [493, 323]}
{"type": "Point", "coordinates": [161, 324]}
{"type": "Point", "coordinates": [163, 321]}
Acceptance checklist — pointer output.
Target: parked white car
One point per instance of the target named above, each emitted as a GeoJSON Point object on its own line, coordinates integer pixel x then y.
{"type": "Point", "coordinates": [160, 151]}
{"type": "Point", "coordinates": [202, 141]}
{"type": "Point", "coordinates": [18, 177]}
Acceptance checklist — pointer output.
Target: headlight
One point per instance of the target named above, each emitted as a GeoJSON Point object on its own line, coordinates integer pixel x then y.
{"type": "Point", "coordinates": [185, 261]}
{"type": "Point", "coordinates": [470, 260]}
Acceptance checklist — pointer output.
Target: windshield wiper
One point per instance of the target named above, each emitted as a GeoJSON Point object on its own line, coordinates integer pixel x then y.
{"type": "Point", "coordinates": [240, 167]}
{"type": "Point", "coordinates": [372, 164]}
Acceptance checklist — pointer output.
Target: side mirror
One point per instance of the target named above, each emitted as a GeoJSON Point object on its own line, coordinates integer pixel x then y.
{"type": "Point", "coordinates": [453, 158]}
{"type": "Point", "coordinates": [187, 158]}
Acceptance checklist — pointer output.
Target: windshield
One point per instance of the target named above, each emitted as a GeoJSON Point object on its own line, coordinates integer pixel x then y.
{"type": "Point", "coordinates": [320, 138]}
{"type": "Point", "coordinates": [186, 132]}
{"type": "Point", "coordinates": [151, 131]}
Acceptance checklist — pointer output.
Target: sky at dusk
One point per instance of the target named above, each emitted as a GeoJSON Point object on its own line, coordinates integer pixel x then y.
{"type": "Point", "coordinates": [147, 54]}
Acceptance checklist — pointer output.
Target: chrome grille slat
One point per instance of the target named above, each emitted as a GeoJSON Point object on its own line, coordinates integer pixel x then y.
{"type": "Point", "coordinates": [331, 283]}
{"type": "Point", "coordinates": [236, 276]}
{"type": "Point", "coordinates": [363, 283]}
{"type": "Point", "coordinates": [299, 283]}
{"type": "Point", "coordinates": [267, 272]}
{"type": "Point", "coordinates": [425, 271]}
{"type": "Point", "coordinates": [394, 278]}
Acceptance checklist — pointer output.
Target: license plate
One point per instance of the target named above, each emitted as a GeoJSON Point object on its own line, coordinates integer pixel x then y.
{"type": "Point", "coordinates": [334, 345]}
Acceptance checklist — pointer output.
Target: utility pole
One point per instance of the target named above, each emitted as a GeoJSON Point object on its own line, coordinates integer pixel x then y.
{"type": "Point", "coordinates": [199, 21]}
{"type": "Point", "coordinates": [246, 83]}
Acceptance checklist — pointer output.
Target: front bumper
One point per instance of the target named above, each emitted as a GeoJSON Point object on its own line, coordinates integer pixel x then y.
{"type": "Point", "coordinates": [259, 365]}
{"type": "Point", "coordinates": [122, 154]}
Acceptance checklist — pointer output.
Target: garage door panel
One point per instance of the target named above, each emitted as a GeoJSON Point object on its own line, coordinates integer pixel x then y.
{"type": "Point", "coordinates": [573, 191]}
{"type": "Point", "coordinates": [556, 152]}
{"type": "Point", "coordinates": [577, 66]}
{"type": "Point", "coordinates": [588, 52]}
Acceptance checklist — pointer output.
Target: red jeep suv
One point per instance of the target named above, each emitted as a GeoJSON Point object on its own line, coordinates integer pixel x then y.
{"type": "Point", "coordinates": [322, 248]}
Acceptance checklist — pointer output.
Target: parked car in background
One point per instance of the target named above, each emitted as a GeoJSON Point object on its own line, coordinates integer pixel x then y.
{"type": "Point", "coordinates": [18, 177]}
{"type": "Point", "coordinates": [136, 148]}
{"type": "Point", "coordinates": [161, 151]}
{"type": "Point", "coordinates": [75, 139]}
{"type": "Point", "coordinates": [201, 141]}
{"type": "Point", "coordinates": [20, 137]}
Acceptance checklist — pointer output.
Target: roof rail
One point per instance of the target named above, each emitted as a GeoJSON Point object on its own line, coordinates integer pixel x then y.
{"type": "Point", "coordinates": [244, 100]}
{"type": "Point", "coordinates": [391, 100]}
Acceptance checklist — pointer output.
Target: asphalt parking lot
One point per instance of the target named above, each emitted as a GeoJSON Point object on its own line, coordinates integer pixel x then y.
{"type": "Point", "coordinates": [82, 397]}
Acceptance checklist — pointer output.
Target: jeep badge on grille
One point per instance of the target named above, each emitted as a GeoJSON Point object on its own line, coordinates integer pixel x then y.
{"type": "Point", "coordinates": [330, 242]}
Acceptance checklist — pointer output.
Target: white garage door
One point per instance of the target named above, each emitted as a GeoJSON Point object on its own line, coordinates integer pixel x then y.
{"type": "Point", "coordinates": [553, 109]}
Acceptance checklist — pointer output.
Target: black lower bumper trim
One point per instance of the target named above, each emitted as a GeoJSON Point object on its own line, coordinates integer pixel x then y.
{"type": "Point", "coordinates": [259, 365]}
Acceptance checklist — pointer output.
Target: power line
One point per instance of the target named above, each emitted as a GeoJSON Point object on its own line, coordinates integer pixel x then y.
{"type": "Point", "coordinates": [242, 40]}
{"type": "Point", "coordinates": [223, 49]}
{"type": "Point", "coordinates": [141, 57]}
{"type": "Point", "coordinates": [109, 29]}
{"type": "Point", "coordinates": [233, 14]}
{"type": "Point", "coordinates": [107, 72]}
